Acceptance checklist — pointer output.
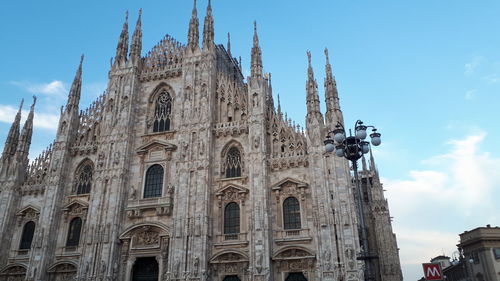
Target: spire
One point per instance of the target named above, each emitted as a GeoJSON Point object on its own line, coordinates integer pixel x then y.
{"type": "Point", "coordinates": [76, 88]}
{"type": "Point", "coordinates": [256, 54]}
{"type": "Point", "coordinates": [122, 47]}
{"type": "Point", "coordinates": [229, 44]}
{"type": "Point", "coordinates": [333, 112]}
{"type": "Point", "coordinates": [25, 138]}
{"type": "Point", "coordinates": [193, 33]}
{"type": "Point", "coordinates": [363, 163]}
{"type": "Point", "coordinates": [279, 105]}
{"type": "Point", "coordinates": [208, 29]}
{"type": "Point", "coordinates": [312, 90]}
{"type": "Point", "coordinates": [12, 138]}
{"type": "Point", "coordinates": [372, 162]}
{"type": "Point", "coordinates": [135, 52]}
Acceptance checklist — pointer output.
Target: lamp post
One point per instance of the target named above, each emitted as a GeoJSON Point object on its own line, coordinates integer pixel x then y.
{"type": "Point", "coordinates": [352, 148]}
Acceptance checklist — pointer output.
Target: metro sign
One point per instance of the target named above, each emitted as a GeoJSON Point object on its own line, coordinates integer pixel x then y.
{"type": "Point", "coordinates": [432, 271]}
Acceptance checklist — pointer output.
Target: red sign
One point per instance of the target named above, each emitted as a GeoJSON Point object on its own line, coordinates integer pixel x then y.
{"type": "Point", "coordinates": [432, 271]}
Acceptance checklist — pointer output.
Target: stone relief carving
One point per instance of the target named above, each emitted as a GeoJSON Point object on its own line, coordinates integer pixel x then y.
{"type": "Point", "coordinates": [147, 237]}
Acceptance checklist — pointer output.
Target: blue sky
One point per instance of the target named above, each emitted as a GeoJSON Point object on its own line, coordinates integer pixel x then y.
{"type": "Point", "coordinates": [426, 73]}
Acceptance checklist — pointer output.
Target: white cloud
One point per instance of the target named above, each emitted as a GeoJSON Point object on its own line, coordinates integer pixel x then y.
{"type": "Point", "coordinates": [470, 68]}
{"type": "Point", "coordinates": [40, 120]}
{"type": "Point", "coordinates": [458, 192]}
{"type": "Point", "coordinates": [55, 88]}
{"type": "Point", "coordinates": [492, 78]}
{"type": "Point", "coordinates": [471, 94]}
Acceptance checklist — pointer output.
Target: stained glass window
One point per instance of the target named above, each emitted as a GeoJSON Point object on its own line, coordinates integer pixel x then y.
{"type": "Point", "coordinates": [27, 236]}
{"type": "Point", "coordinates": [291, 213]}
{"type": "Point", "coordinates": [232, 218]}
{"type": "Point", "coordinates": [75, 228]}
{"type": "Point", "coordinates": [154, 182]}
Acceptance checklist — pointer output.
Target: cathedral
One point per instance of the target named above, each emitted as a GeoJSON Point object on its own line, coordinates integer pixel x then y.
{"type": "Point", "coordinates": [184, 169]}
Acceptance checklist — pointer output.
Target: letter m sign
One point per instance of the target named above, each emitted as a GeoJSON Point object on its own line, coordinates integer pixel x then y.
{"type": "Point", "coordinates": [432, 271]}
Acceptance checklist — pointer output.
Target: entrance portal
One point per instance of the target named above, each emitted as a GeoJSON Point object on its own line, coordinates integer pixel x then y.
{"type": "Point", "coordinates": [145, 269]}
{"type": "Point", "coordinates": [232, 278]}
{"type": "Point", "coordinates": [296, 276]}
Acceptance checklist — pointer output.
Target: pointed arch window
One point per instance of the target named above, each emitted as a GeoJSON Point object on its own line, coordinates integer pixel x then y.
{"type": "Point", "coordinates": [233, 163]}
{"type": "Point", "coordinates": [163, 112]}
{"type": "Point", "coordinates": [232, 218]}
{"type": "Point", "coordinates": [27, 236]}
{"type": "Point", "coordinates": [154, 182]}
{"type": "Point", "coordinates": [84, 178]}
{"type": "Point", "coordinates": [291, 213]}
{"type": "Point", "coordinates": [75, 229]}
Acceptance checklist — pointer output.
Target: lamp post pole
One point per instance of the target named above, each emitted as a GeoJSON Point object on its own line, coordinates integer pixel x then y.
{"type": "Point", "coordinates": [352, 148]}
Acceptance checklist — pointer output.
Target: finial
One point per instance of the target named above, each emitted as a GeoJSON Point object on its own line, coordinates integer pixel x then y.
{"type": "Point", "coordinates": [140, 12]}
{"type": "Point", "coordinates": [34, 102]}
{"type": "Point", "coordinates": [210, 3]}
{"type": "Point", "coordinates": [21, 105]}
{"type": "Point", "coordinates": [326, 54]}
{"type": "Point", "coordinates": [255, 26]}
{"type": "Point", "coordinates": [126, 15]}
{"type": "Point", "coordinates": [194, 7]}
{"type": "Point", "coordinates": [309, 57]}
{"type": "Point", "coordinates": [81, 59]}
{"type": "Point", "coordinates": [229, 43]}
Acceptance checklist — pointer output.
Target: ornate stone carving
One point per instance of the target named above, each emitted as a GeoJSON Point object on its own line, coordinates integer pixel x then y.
{"type": "Point", "coordinates": [147, 237]}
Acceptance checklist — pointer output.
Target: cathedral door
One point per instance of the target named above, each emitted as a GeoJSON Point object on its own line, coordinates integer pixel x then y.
{"type": "Point", "coordinates": [145, 269]}
{"type": "Point", "coordinates": [296, 276]}
{"type": "Point", "coordinates": [232, 278]}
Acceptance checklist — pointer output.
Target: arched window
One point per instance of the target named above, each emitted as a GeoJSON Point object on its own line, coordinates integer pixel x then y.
{"type": "Point", "coordinates": [75, 228]}
{"type": "Point", "coordinates": [154, 182]}
{"type": "Point", "coordinates": [291, 213]}
{"type": "Point", "coordinates": [163, 111]}
{"type": "Point", "coordinates": [83, 179]}
{"type": "Point", "coordinates": [27, 236]}
{"type": "Point", "coordinates": [233, 163]}
{"type": "Point", "coordinates": [232, 218]}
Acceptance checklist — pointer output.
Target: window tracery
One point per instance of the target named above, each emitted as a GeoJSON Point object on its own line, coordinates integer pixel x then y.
{"type": "Point", "coordinates": [233, 163]}
{"type": "Point", "coordinates": [83, 180]}
{"type": "Point", "coordinates": [163, 112]}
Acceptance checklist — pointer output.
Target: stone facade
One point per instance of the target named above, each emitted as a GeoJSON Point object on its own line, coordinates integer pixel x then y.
{"type": "Point", "coordinates": [93, 206]}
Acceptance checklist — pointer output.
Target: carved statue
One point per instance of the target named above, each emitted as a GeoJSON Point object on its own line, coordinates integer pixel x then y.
{"type": "Point", "coordinates": [132, 193]}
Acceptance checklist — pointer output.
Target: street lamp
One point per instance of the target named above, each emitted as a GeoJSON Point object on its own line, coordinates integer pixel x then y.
{"type": "Point", "coordinates": [352, 148]}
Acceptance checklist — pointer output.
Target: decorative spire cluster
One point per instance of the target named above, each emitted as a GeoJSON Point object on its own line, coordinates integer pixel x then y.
{"type": "Point", "coordinates": [13, 137]}
{"type": "Point", "coordinates": [194, 33]}
{"type": "Point", "coordinates": [136, 47]}
{"type": "Point", "coordinates": [25, 137]}
{"type": "Point", "coordinates": [312, 91]}
{"type": "Point", "coordinates": [333, 112]}
{"type": "Point", "coordinates": [257, 68]}
{"type": "Point", "coordinates": [122, 48]}
{"type": "Point", "coordinates": [208, 29]}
